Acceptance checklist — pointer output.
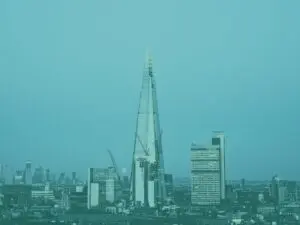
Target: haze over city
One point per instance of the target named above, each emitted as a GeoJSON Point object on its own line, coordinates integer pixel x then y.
{"type": "Point", "coordinates": [70, 77]}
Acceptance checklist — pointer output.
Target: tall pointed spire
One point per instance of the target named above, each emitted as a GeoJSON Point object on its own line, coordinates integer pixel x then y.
{"type": "Point", "coordinates": [147, 185]}
{"type": "Point", "coordinates": [149, 63]}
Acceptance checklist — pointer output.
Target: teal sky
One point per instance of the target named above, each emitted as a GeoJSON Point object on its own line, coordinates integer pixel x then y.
{"type": "Point", "coordinates": [71, 72]}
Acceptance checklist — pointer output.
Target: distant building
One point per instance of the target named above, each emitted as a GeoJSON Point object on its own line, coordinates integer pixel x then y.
{"type": "Point", "coordinates": [283, 191]}
{"type": "Point", "coordinates": [28, 173]}
{"type": "Point", "coordinates": [96, 187]}
{"type": "Point", "coordinates": [38, 176]}
{"type": "Point", "coordinates": [61, 178]}
{"type": "Point", "coordinates": [48, 176]}
{"type": "Point", "coordinates": [2, 176]}
{"type": "Point", "coordinates": [243, 181]}
{"type": "Point", "coordinates": [206, 175]}
{"type": "Point", "coordinates": [292, 191]}
{"type": "Point", "coordinates": [182, 195]}
{"type": "Point", "coordinates": [169, 186]}
{"type": "Point", "coordinates": [74, 178]}
{"type": "Point", "coordinates": [126, 183]}
{"type": "Point", "coordinates": [231, 194]}
{"type": "Point", "coordinates": [45, 193]}
{"type": "Point", "coordinates": [18, 177]}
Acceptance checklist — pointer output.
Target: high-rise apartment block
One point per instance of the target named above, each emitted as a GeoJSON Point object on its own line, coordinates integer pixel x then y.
{"type": "Point", "coordinates": [206, 179]}
{"type": "Point", "coordinates": [208, 172]}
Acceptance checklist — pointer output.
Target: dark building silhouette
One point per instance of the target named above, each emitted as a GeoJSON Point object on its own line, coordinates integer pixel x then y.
{"type": "Point", "coordinates": [38, 176]}
{"type": "Point", "coordinates": [169, 186]}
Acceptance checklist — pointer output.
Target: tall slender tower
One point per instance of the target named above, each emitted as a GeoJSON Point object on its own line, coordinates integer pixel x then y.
{"type": "Point", "coordinates": [28, 174]}
{"type": "Point", "coordinates": [147, 173]}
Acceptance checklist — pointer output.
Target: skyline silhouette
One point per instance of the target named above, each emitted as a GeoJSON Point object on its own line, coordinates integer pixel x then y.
{"type": "Point", "coordinates": [71, 72]}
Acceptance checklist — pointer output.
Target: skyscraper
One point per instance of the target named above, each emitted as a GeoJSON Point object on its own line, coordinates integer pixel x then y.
{"type": "Point", "coordinates": [39, 175]}
{"type": "Point", "coordinates": [147, 175]}
{"type": "Point", "coordinates": [206, 179]}
{"type": "Point", "coordinates": [219, 140]}
{"type": "Point", "coordinates": [28, 173]}
{"type": "Point", "coordinates": [74, 178]}
{"type": "Point", "coordinates": [96, 187]}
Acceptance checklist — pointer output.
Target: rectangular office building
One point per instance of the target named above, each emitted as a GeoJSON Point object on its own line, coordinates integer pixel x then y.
{"type": "Point", "coordinates": [96, 187]}
{"type": "Point", "coordinates": [206, 175]}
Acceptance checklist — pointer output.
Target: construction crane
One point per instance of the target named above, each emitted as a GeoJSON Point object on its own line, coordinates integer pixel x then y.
{"type": "Point", "coordinates": [115, 166]}
{"type": "Point", "coordinates": [146, 150]}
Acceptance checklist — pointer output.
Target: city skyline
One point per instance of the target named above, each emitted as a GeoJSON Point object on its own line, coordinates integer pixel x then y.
{"type": "Point", "coordinates": [68, 90]}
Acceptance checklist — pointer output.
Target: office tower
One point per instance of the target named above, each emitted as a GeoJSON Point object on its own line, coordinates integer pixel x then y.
{"type": "Point", "coordinates": [282, 190]}
{"type": "Point", "coordinates": [219, 140]}
{"type": "Point", "coordinates": [126, 183]}
{"type": "Point", "coordinates": [169, 186]}
{"type": "Point", "coordinates": [18, 177]}
{"type": "Point", "coordinates": [28, 174]}
{"type": "Point", "coordinates": [96, 187]}
{"type": "Point", "coordinates": [147, 173]}
{"type": "Point", "coordinates": [48, 178]}
{"type": "Point", "coordinates": [292, 190]}
{"type": "Point", "coordinates": [61, 178]}
{"type": "Point", "coordinates": [38, 176]}
{"type": "Point", "coordinates": [243, 181]}
{"type": "Point", "coordinates": [74, 178]}
{"type": "Point", "coordinates": [1, 170]}
{"type": "Point", "coordinates": [275, 189]}
{"type": "Point", "coordinates": [206, 179]}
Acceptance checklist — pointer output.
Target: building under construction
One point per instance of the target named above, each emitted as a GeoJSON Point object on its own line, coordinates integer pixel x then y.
{"type": "Point", "coordinates": [147, 174]}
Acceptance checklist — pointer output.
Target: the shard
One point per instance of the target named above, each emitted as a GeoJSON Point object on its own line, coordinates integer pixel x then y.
{"type": "Point", "coordinates": [147, 174]}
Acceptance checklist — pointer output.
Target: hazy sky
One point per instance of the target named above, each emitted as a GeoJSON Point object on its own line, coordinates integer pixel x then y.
{"type": "Point", "coordinates": [71, 72]}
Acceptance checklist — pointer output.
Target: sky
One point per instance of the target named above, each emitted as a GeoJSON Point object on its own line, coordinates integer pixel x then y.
{"type": "Point", "coordinates": [71, 73]}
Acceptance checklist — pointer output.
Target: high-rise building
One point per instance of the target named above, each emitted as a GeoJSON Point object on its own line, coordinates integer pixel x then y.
{"type": "Point", "coordinates": [169, 186]}
{"type": "Point", "coordinates": [2, 176]}
{"type": "Point", "coordinates": [39, 176]}
{"type": "Point", "coordinates": [147, 173]}
{"type": "Point", "coordinates": [18, 177]}
{"type": "Point", "coordinates": [96, 187]}
{"type": "Point", "coordinates": [206, 179]}
{"type": "Point", "coordinates": [48, 178]}
{"type": "Point", "coordinates": [219, 140]}
{"type": "Point", "coordinates": [28, 173]}
{"type": "Point", "coordinates": [62, 178]}
{"type": "Point", "coordinates": [74, 178]}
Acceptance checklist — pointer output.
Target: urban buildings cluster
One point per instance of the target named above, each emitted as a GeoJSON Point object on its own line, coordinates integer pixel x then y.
{"type": "Point", "coordinates": [149, 190]}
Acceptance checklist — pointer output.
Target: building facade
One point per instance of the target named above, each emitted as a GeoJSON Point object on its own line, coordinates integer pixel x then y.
{"type": "Point", "coordinates": [96, 187]}
{"type": "Point", "coordinates": [206, 175]}
{"type": "Point", "coordinates": [219, 140]}
{"type": "Point", "coordinates": [38, 176]}
{"type": "Point", "coordinates": [147, 173]}
{"type": "Point", "coordinates": [28, 173]}
{"type": "Point", "coordinates": [169, 186]}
